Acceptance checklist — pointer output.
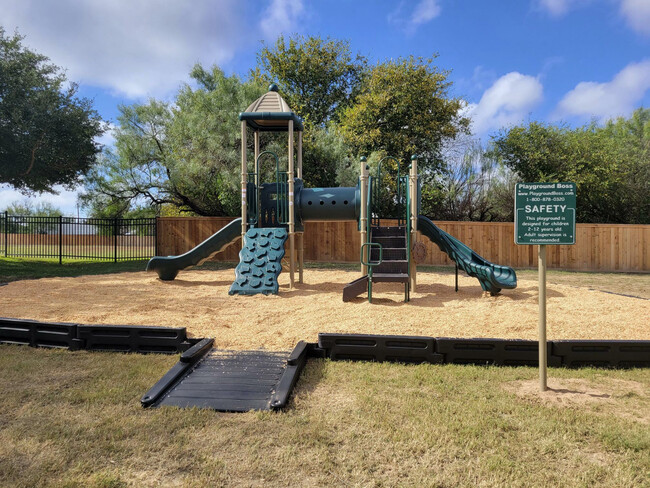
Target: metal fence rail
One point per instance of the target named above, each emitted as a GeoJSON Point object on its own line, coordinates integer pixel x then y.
{"type": "Point", "coordinates": [77, 238]}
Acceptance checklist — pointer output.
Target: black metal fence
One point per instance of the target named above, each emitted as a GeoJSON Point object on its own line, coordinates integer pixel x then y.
{"type": "Point", "coordinates": [77, 238]}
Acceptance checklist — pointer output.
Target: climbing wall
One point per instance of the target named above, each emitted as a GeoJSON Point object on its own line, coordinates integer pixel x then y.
{"type": "Point", "coordinates": [260, 262]}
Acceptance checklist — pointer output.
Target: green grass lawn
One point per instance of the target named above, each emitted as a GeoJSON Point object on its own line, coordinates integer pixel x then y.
{"type": "Point", "coordinates": [14, 269]}
{"type": "Point", "coordinates": [74, 419]}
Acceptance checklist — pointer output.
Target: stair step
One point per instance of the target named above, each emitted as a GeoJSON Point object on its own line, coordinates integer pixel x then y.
{"type": "Point", "coordinates": [392, 267]}
{"type": "Point", "coordinates": [389, 231]}
{"type": "Point", "coordinates": [390, 277]}
{"type": "Point", "coordinates": [389, 253]}
{"type": "Point", "coordinates": [390, 241]}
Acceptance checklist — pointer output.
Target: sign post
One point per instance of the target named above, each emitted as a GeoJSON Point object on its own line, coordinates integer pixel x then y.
{"type": "Point", "coordinates": [545, 213]}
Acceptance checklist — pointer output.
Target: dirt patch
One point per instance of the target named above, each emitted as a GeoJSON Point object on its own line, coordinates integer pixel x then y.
{"type": "Point", "coordinates": [199, 300]}
{"type": "Point", "coordinates": [621, 398]}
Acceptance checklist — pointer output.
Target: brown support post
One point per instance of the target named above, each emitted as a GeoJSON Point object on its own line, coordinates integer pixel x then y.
{"type": "Point", "coordinates": [301, 255]}
{"type": "Point", "coordinates": [363, 218]}
{"type": "Point", "coordinates": [257, 175]}
{"type": "Point", "coordinates": [292, 215]}
{"type": "Point", "coordinates": [301, 236]}
{"type": "Point", "coordinates": [541, 323]}
{"type": "Point", "coordinates": [244, 178]}
{"type": "Point", "coordinates": [299, 174]}
{"type": "Point", "coordinates": [413, 190]}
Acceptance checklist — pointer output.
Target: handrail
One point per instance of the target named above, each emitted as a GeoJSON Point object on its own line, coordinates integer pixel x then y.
{"type": "Point", "coordinates": [398, 185]}
{"type": "Point", "coordinates": [370, 263]}
{"type": "Point", "coordinates": [408, 226]}
{"type": "Point", "coordinates": [369, 210]}
{"type": "Point", "coordinates": [282, 193]}
{"type": "Point", "coordinates": [252, 209]}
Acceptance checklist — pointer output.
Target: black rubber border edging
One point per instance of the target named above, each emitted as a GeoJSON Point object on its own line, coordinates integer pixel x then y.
{"type": "Point", "coordinates": [187, 360]}
{"type": "Point", "coordinates": [502, 352]}
{"type": "Point", "coordinates": [114, 338]}
{"type": "Point", "coordinates": [295, 364]}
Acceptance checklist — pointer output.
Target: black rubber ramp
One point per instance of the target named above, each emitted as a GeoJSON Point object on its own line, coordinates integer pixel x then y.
{"type": "Point", "coordinates": [237, 381]}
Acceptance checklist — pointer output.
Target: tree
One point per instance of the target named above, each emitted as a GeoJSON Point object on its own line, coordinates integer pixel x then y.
{"type": "Point", "coordinates": [46, 133]}
{"type": "Point", "coordinates": [319, 77]}
{"type": "Point", "coordinates": [405, 109]}
{"type": "Point", "coordinates": [472, 186]}
{"type": "Point", "coordinates": [326, 159]}
{"type": "Point", "coordinates": [632, 138]}
{"type": "Point", "coordinates": [610, 165]}
{"type": "Point", "coordinates": [29, 209]}
{"type": "Point", "coordinates": [185, 155]}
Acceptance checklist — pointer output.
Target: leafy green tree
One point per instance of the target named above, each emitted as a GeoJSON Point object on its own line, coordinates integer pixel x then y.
{"type": "Point", "coordinates": [404, 109]}
{"type": "Point", "coordinates": [327, 160]}
{"type": "Point", "coordinates": [29, 209]}
{"type": "Point", "coordinates": [632, 138]}
{"type": "Point", "coordinates": [319, 77]}
{"type": "Point", "coordinates": [46, 133]}
{"type": "Point", "coordinates": [185, 155]}
{"type": "Point", "coordinates": [610, 165]}
{"type": "Point", "coordinates": [472, 186]}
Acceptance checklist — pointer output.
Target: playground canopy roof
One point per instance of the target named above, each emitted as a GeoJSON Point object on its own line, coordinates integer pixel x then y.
{"type": "Point", "coordinates": [270, 113]}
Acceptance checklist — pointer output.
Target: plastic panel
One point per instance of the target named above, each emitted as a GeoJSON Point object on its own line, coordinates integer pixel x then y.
{"type": "Point", "coordinates": [502, 352]}
{"type": "Point", "coordinates": [621, 354]}
{"type": "Point", "coordinates": [405, 349]}
{"type": "Point", "coordinates": [133, 338]}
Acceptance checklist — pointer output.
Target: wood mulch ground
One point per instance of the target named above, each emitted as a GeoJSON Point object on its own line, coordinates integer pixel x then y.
{"type": "Point", "coordinates": [199, 301]}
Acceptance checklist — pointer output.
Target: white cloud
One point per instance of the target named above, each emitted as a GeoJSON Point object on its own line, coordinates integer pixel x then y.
{"type": "Point", "coordinates": [559, 8]}
{"type": "Point", "coordinates": [637, 14]}
{"type": "Point", "coordinates": [556, 8]}
{"type": "Point", "coordinates": [425, 11]}
{"type": "Point", "coordinates": [145, 47]}
{"type": "Point", "coordinates": [610, 99]}
{"type": "Point", "coordinates": [65, 200]}
{"type": "Point", "coordinates": [508, 101]}
{"type": "Point", "coordinates": [280, 17]}
{"type": "Point", "coordinates": [107, 139]}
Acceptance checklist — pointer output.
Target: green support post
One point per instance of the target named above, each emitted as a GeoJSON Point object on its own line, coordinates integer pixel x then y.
{"type": "Point", "coordinates": [370, 264]}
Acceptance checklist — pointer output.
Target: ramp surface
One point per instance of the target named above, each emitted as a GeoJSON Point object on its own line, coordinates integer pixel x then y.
{"type": "Point", "coordinates": [355, 288]}
{"type": "Point", "coordinates": [168, 267]}
{"type": "Point", "coordinates": [492, 277]}
{"type": "Point", "coordinates": [231, 381]}
{"type": "Point", "coordinates": [260, 262]}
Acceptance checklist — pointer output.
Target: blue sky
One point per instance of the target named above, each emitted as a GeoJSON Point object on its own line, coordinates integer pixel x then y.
{"type": "Point", "coordinates": [512, 60]}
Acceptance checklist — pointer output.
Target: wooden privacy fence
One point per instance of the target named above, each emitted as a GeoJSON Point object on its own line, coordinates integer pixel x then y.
{"type": "Point", "coordinates": [598, 247]}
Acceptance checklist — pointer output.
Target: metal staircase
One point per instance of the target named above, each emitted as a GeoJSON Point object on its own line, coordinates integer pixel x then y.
{"type": "Point", "coordinates": [394, 266]}
{"type": "Point", "coordinates": [386, 254]}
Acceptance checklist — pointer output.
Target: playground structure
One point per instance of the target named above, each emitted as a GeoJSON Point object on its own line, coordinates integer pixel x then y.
{"type": "Point", "coordinates": [273, 213]}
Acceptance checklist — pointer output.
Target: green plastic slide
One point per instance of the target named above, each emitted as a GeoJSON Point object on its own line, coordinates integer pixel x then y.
{"type": "Point", "coordinates": [169, 266]}
{"type": "Point", "coordinates": [492, 277]}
